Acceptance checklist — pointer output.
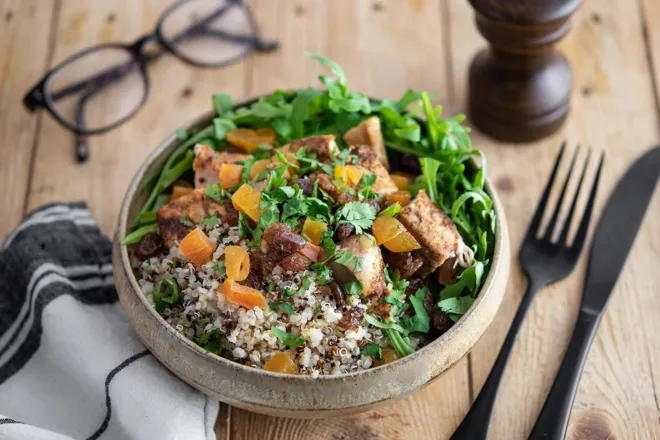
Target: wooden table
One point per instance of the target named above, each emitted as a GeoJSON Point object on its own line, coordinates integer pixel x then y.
{"type": "Point", "coordinates": [385, 47]}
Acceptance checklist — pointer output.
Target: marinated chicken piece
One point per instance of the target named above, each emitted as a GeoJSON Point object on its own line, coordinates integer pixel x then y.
{"type": "Point", "coordinates": [193, 207]}
{"type": "Point", "coordinates": [433, 229]}
{"type": "Point", "coordinates": [371, 276]}
{"type": "Point", "coordinates": [324, 147]}
{"type": "Point", "coordinates": [368, 160]}
{"type": "Point", "coordinates": [368, 133]}
{"type": "Point", "coordinates": [207, 164]}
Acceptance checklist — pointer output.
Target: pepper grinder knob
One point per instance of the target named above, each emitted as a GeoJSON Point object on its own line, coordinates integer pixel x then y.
{"type": "Point", "coordinates": [520, 86]}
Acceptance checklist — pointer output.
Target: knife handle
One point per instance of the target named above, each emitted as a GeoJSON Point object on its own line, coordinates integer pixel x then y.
{"type": "Point", "coordinates": [553, 419]}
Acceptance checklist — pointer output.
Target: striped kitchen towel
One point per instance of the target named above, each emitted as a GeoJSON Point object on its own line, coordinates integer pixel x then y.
{"type": "Point", "coordinates": [71, 366]}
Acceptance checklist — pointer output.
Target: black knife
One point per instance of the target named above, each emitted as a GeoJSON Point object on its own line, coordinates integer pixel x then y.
{"type": "Point", "coordinates": [613, 239]}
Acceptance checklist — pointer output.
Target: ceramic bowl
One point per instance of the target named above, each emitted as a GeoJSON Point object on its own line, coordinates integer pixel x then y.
{"type": "Point", "coordinates": [288, 395]}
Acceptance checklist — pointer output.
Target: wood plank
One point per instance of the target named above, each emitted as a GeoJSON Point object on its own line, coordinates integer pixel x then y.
{"type": "Point", "coordinates": [650, 18]}
{"type": "Point", "coordinates": [381, 54]}
{"type": "Point", "coordinates": [25, 28]}
{"type": "Point", "coordinates": [613, 110]}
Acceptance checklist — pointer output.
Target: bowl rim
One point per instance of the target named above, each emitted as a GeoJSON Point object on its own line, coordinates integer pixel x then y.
{"type": "Point", "coordinates": [169, 144]}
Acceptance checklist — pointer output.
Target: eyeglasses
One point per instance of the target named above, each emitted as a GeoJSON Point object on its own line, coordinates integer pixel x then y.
{"type": "Point", "coordinates": [102, 87]}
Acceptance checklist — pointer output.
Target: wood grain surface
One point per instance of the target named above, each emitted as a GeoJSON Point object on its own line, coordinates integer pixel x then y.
{"type": "Point", "coordinates": [385, 47]}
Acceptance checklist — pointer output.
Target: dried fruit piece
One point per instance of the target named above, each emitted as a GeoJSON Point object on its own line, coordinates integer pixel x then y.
{"type": "Point", "coordinates": [386, 228]}
{"type": "Point", "coordinates": [248, 140]}
{"type": "Point", "coordinates": [258, 167]}
{"type": "Point", "coordinates": [246, 199]}
{"type": "Point", "coordinates": [230, 174]}
{"type": "Point", "coordinates": [403, 242]}
{"type": "Point", "coordinates": [313, 229]}
{"type": "Point", "coordinates": [350, 173]}
{"type": "Point", "coordinates": [237, 263]}
{"type": "Point", "coordinates": [179, 190]}
{"type": "Point", "coordinates": [197, 247]}
{"type": "Point", "coordinates": [402, 180]}
{"type": "Point", "coordinates": [388, 356]}
{"type": "Point", "coordinates": [281, 363]}
{"type": "Point", "coordinates": [401, 197]}
{"type": "Point", "coordinates": [312, 252]}
{"type": "Point", "coordinates": [243, 296]}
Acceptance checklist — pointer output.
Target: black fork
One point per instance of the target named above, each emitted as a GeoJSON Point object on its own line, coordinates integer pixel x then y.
{"type": "Point", "coordinates": [544, 262]}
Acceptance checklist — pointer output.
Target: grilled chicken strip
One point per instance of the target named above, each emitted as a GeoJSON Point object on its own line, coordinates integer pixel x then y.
{"type": "Point", "coordinates": [207, 164]}
{"type": "Point", "coordinates": [368, 133]}
{"type": "Point", "coordinates": [193, 207]}
{"type": "Point", "coordinates": [368, 160]}
{"type": "Point", "coordinates": [433, 229]}
{"type": "Point", "coordinates": [372, 274]}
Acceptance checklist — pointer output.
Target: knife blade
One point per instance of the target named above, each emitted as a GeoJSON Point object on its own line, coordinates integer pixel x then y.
{"type": "Point", "coordinates": [617, 229]}
{"type": "Point", "coordinates": [614, 237]}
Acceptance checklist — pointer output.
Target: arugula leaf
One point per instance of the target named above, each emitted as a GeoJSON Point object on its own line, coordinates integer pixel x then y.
{"type": "Point", "coordinates": [401, 347]}
{"type": "Point", "coordinates": [284, 307]}
{"type": "Point", "coordinates": [391, 210]}
{"type": "Point", "coordinates": [430, 169]}
{"type": "Point", "coordinates": [287, 338]}
{"type": "Point", "coordinates": [222, 103]}
{"type": "Point", "coordinates": [210, 221]}
{"type": "Point", "coordinates": [300, 111]}
{"type": "Point", "coordinates": [470, 279]}
{"type": "Point", "coordinates": [384, 325]}
{"type": "Point", "coordinates": [221, 127]}
{"type": "Point", "coordinates": [455, 307]}
{"type": "Point", "coordinates": [334, 67]}
{"type": "Point", "coordinates": [420, 321]}
{"type": "Point", "coordinates": [359, 214]}
{"type": "Point", "coordinates": [184, 221]}
{"type": "Point", "coordinates": [373, 350]}
{"type": "Point", "coordinates": [353, 288]}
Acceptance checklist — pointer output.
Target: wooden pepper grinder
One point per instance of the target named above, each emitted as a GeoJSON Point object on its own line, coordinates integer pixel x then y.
{"type": "Point", "coordinates": [520, 86]}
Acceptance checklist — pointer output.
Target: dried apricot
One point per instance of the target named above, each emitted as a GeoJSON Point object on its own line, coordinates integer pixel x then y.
{"type": "Point", "coordinates": [314, 229]}
{"type": "Point", "coordinates": [281, 363]}
{"type": "Point", "coordinates": [246, 199]}
{"type": "Point", "coordinates": [230, 174]}
{"type": "Point", "coordinates": [237, 263]}
{"type": "Point", "coordinates": [243, 296]}
{"type": "Point", "coordinates": [248, 140]}
{"type": "Point", "coordinates": [197, 247]}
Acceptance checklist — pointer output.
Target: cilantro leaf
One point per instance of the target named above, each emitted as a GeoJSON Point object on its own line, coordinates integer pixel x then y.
{"type": "Point", "coordinates": [287, 338]}
{"type": "Point", "coordinates": [210, 221]}
{"type": "Point", "coordinates": [353, 288]}
{"type": "Point", "coordinates": [219, 267]}
{"type": "Point", "coordinates": [184, 221]}
{"type": "Point", "coordinates": [373, 350]}
{"type": "Point", "coordinates": [420, 321]}
{"type": "Point", "coordinates": [359, 214]}
{"type": "Point", "coordinates": [455, 307]}
{"type": "Point", "coordinates": [323, 273]}
{"type": "Point", "coordinates": [351, 261]}
{"type": "Point", "coordinates": [391, 210]}
{"type": "Point", "coordinates": [401, 347]}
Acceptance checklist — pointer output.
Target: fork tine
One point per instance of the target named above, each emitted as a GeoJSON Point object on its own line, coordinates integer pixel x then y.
{"type": "Point", "coordinates": [581, 235]}
{"type": "Point", "coordinates": [538, 215]}
{"type": "Point", "coordinates": [555, 214]}
{"type": "Point", "coordinates": [571, 211]}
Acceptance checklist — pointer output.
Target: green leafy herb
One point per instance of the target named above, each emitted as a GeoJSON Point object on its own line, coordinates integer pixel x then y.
{"type": "Point", "coordinates": [391, 210]}
{"type": "Point", "coordinates": [373, 350]}
{"type": "Point", "coordinates": [323, 273]}
{"type": "Point", "coordinates": [222, 103]}
{"type": "Point", "coordinates": [359, 214]}
{"type": "Point", "coordinates": [287, 338]}
{"type": "Point", "coordinates": [351, 261]}
{"type": "Point", "coordinates": [401, 347]}
{"type": "Point", "coordinates": [469, 280]}
{"type": "Point", "coordinates": [210, 221]}
{"type": "Point", "coordinates": [366, 182]}
{"type": "Point", "coordinates": [353, 288]}
{"type": "Point", "coordinates": [166, 291]}
{"type": "Point", "coordinates": [384, 325]}
{"type": "Point", "coordinates": [209, 341]}
{"type": "Point", "coordinates": [184, 221]}
{"type": "Point", "coordinates": [219, 267]}
{"type": "Point", "coordinates": [455, 307]}
{"type": "Point", "coordinates": [284, 307]}
{"type": "Point", "coordinates": [420, 321]}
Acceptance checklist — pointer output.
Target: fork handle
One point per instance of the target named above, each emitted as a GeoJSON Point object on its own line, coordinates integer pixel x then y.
{"type": "Point", "coordinates": [476, 422]}
{"type": "Point", "coordinates": [553, 419]}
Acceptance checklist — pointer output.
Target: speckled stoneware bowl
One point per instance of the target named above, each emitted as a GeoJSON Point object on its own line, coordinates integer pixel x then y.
{"type": "Point", "coordinates": [289, 395]}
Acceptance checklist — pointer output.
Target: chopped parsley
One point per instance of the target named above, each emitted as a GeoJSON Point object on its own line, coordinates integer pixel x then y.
{"type": "Point", "coordinates": [209, 341]}
{"type": "Point", "coordinates": [184, 221]}
{"type": "Point", "coordinates": [210, 221]}
{"type": "Point", "coordinates": [284, 307]}
{"type": "Point", "coordinates": [373, 350]}
{"type": "Point", "coordinates": [292, 291]}
{"type": "Point", "coordinates": [287, 338]}
{"type": "Point", "coordinates": [219, 267]}
{"type": "Point", "coordinates": [353, 262]}
{"type": "Point", "coordinates": [323, 273]}
{"type": "Point", "coordinates": [353, 288]}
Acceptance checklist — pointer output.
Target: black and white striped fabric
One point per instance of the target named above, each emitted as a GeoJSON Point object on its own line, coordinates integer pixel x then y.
{"type": "Point", "coordinates": [71, 366]}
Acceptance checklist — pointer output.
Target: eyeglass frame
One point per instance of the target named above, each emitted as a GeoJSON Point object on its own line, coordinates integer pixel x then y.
{"type": "Point", "coordinates": [37, 98]}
